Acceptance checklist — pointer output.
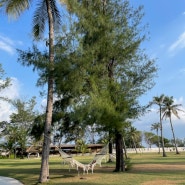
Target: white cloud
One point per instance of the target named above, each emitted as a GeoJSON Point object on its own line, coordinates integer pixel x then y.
{"type": "Point", "coordinates": [7, 40]}
{"type": "Point", "coordinates": [178, 44]}
{"type": "Point", "coordinates": [8, 45]}
{"type": "Point", "coordinates": [11, 92]}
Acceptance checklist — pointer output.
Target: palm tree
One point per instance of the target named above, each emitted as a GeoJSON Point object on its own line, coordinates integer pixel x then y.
{"type": "Point", "coordinates": [46, 11]}
{"type": "Point", "coordinates": [156, 126]}
{"type": "Point", "coordinates": [168, 109]}
{"type": "Point", "coordinates": [159, 101]}
{"type": "Point", "coordinates": [135, 136]}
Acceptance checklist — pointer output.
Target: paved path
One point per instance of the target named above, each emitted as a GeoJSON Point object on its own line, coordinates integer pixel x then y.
{"type": "Point", "coordinates": [9, 181]}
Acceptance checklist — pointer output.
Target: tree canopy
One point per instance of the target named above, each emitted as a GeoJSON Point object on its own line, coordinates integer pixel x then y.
{"type": "Point", "coordinates": [100, 69]}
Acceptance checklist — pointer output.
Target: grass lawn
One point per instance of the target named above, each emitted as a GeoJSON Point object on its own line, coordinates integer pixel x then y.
{"type": "Point", "coordinates": [146, 169]}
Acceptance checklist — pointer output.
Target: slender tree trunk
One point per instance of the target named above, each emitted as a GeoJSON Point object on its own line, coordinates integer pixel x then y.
{"type": "Point", "coordinates": [14, 153]}
{"type": "Point", "coordinates": [177, 152]}
{"type": "Point", "coordinates": [110, 150]}
{"type": "Point", "coordinates": [125, 149]}
{"type": "Point", "coordinates": [120, 165]}
{"type": "Point", "coordinates": [134, 144]}
{"type": "Point", "coordinates": [162, 139]}
{"type": "Point", "coordinates": [158, 141]}
{"type": "Point", "coordinates": [44, 174]}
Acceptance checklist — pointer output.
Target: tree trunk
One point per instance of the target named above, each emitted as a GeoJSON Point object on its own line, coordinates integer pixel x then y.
{"type": "Point", "coordinates": [162, 139]}
{"type": "Point", "coordinates": [177, 152]}
{"type": "Point", "coordinates": [125, 149]}
{"type": "Point", "coordinates": [14, 153]}
{"type": "Point", "coordinates": [110, 150]}
{"type": "Point", "coordinates": [120, 165]}
{"type": "Point", "coordinates": [44, 174]}
{"type": "Point", "coordinates": [158, 141]}
{"type": "Point", "coordinates": [134, 144]}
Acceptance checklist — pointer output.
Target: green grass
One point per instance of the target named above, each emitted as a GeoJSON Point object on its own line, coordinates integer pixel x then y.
{"type": "Point", "coordinates": [146, 169]}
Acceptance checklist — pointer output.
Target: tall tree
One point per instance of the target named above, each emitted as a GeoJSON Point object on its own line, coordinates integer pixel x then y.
{"type": "Point", "coordinates": [114, 70]}
{"type": "Point", "coordinates": [159, 101]}
{"type": "Point", "coordinates": [105, 72]}
{"type": "Point", "coordinates": [156, 127]}
{"type": "Point", "coordinates": [168, 110]}
{"type": "Point", "coordinates": [46, 11]}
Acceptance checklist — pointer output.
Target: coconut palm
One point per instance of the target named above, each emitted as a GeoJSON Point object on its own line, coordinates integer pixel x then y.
{"type": "Point", "coordinates": [46, 12]}
{"type": "Point", "coordinates": [135, 136]}
{"type": "Point", "coordinates": [159, 101]}
{"type": "Point", "coordinates": [156, 126]}
{"type": "Point", "coordinates": [168, 109]}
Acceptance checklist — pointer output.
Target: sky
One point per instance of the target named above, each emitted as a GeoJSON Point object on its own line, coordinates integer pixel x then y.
{"type": "Point", "coordinates": [166, 26]}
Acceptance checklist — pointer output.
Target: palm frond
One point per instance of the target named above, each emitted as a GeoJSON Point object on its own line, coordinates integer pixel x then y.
{"type": "Point", "coordinates": [174, 111]}
{"type": "Point", "coordinates": [39, 20]}
{"type": "Point", "coordinates": [15, 7]}
{"type": "Point", "coordinates": [56, 14]}
{"type": "Point", "coordinates": [166, 114]}
{"type": "Point", "coordinates": [41, 16]}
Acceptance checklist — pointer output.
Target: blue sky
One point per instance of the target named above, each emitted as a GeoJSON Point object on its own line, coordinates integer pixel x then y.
{"type": "Point", "coordinates": [166, 20]}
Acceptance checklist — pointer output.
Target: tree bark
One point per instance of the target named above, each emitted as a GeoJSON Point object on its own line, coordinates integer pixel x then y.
{"type": "Point", "coordinates": [110, 150]}
{"type": "Point", "coordinates": [120, 164]}
{"type": "Point", "coordinates": [158, 141]}
{"type": "Point", "coordinates": [162, 139]}
{"type": "Point", "coordinates": [177, 152]}
{"type": "Point", "coordinates": [134, 143]}
{"type": "Point", "coordinates": [125, 149]}
{"type": "Point", "coordinates": [44, 174]}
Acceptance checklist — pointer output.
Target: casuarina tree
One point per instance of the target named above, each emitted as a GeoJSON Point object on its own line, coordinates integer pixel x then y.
{"type": "Point", "coordinates": [113, 69]}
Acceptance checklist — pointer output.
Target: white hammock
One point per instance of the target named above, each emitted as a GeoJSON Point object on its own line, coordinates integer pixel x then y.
{"type": "Point", "coordinates": [85, 167]}
{"type": "Point", "coordinates": [101, 155]}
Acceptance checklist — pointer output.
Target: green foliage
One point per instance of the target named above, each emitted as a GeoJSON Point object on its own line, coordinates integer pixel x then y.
{"type": "Point", "coordinates": [117, 72]}
{"type": "Point", "coordinates": [4, 82]}
{"type": "Point", "coordinates": [100, 71]}
{"type": "Point", "coordinates": [37, 129]}
{"type": "Point", "coordinates": [41, 18]}
{"type": "Point", "coordinates": [17, 130]}
{"type": "Point", "coordinates": [149, 138]}
{"type": "Point", "coordinates": [15, 8]}
{"type": "Point", "coordinates": [132, 136]}
{"type": "Point", "coordinates": [80, 146]}
{"type": "Point", "coordinates": [169, 108]}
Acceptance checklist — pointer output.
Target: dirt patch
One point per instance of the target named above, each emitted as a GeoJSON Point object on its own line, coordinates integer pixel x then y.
{"type": "Point", "coordinates": [158, 167]}
{"type": "Point", "coordinates": [161, 182]}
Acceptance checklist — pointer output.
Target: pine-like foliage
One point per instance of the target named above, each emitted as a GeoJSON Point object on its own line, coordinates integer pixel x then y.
{"type": "Point", "coordinates": [107, 70]}
{"type": "Point", "coordinates": [107, 67]}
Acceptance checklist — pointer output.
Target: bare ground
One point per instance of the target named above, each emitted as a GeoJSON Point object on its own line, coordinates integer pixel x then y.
{"type": "Point", "coordinates": [157, 168]}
